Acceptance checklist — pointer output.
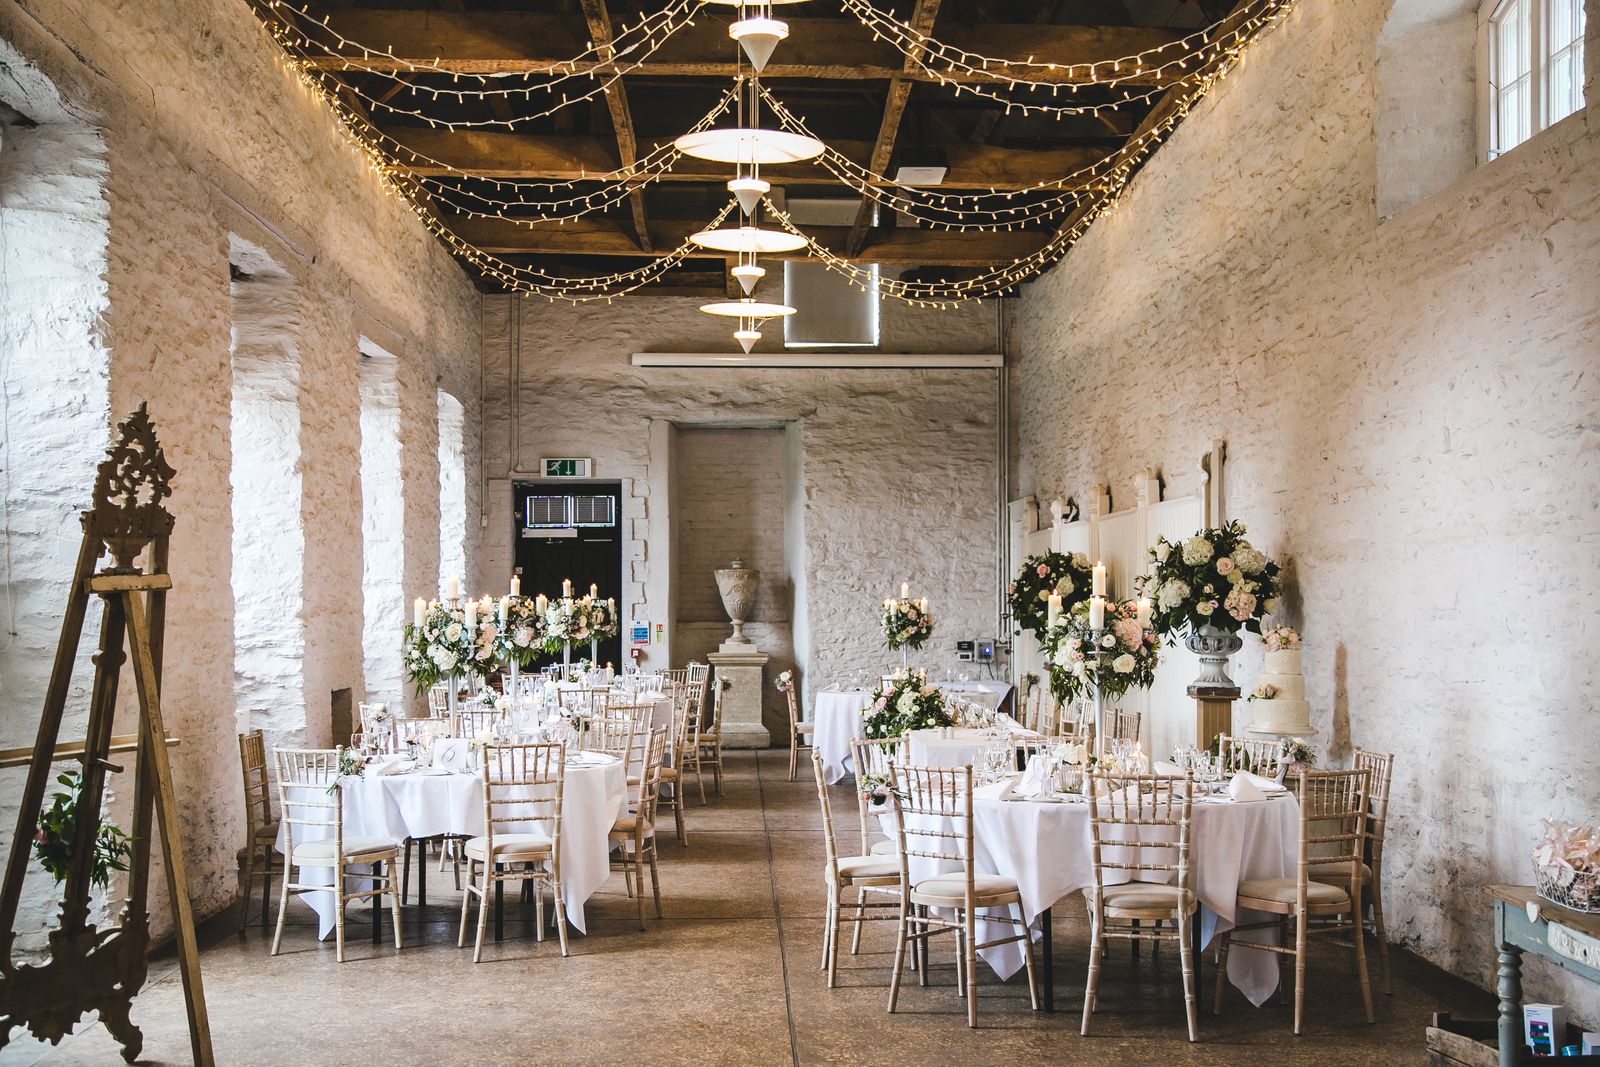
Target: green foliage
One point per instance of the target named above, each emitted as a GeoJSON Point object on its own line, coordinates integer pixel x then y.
{"type": "Point", "coordinates": [57, 834]}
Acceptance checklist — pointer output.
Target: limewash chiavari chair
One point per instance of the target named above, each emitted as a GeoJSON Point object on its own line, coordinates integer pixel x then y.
{"type": "Point", "coordinates": [673, 764]}
{"type": "Point", "coordinates": [261, 826]}
{"type": "Point", "coordinates": [1156, 812]}
{"type": "Point", "coordinates": [475, 721]}
{"type": "Point", "coordinates": [1260, 756]}
{"type": "Point", "coordinates": [523, 789]}
{"type": "Point", "coordinates": [933, 821]}
{"type": "Point", "coordinates": [861, 873]}
{"type": "Point", "coordinates": [623, 730]}
{"type": "Point", "coordinates": [311, 799]}
{"type": "Point", "coordinates": [800, 733]}
{"type": "Point", "coordinates": [1333, 822]}
{"type": "Point", "coordinates": [874, 757]}
{"type": "Point", "coordinates": [1032, 705]}
{"type": "Point", "coordinates": [707, 747]}
{"type": "Point", "coordinates": [1125, 725]}
{"type": "Point", "coordinates": [1380, 773]}
{"type": "Point", "coordinates": [438, 700]}
{"type": "Point", "coordinates": [637, 828]}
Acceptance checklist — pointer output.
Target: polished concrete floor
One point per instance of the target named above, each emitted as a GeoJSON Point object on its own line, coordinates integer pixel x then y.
{"type": "Point", "coordinates": [730, 975]}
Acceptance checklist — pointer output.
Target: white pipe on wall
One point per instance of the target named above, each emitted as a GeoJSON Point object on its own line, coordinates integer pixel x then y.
{"type": "Point", "coordinates": [814, 360]}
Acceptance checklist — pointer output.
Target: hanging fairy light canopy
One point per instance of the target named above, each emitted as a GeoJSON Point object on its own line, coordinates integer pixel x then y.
{"type": "Point", "coordinates": [446, 96]}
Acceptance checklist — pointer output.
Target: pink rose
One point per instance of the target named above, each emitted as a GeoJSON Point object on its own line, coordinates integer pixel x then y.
{"type": "Point", "coordinates": [1044, 571]}
{"type": "Point", "coordinates": [1224, 565]}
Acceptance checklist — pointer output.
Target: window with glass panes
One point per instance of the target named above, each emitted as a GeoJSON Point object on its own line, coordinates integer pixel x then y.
{"type": "Point", "coordinates": [1535, 68]}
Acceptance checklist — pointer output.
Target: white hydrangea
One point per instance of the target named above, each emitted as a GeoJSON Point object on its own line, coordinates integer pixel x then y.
{"type": "Point", "coordinates": [906, 704]}
{"type": "Point", "coordinates": [1250, 559]}
{"type": "Point", "coordinates": [1172, 593]}
{"type": "Point", "coordinates": [1196, 550]}
{"type": "Point", "coordinates": [444, 659]}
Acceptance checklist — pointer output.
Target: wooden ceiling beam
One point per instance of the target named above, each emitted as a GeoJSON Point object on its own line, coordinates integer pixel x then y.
{"type": "Point", "coordinates": [923, 17]}
{"type": "Point", "coordinates": [594, 12]}
{"type": "Point", "coordinates": [610, 237]}
{"type": "Point", "coordinates": [559, 158]}
{"type": "Point", "coordinates": [512, 42]}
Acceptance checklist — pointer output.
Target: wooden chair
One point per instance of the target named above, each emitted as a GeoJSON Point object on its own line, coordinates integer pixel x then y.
{"type": "Point", "coordinates": [1032, 705]}
{"type": "Point", "coordinates": [1380, 773]}
{"type": "Point", "coordinates": [523, 787]}
{"type": "Point", "coordinates": [260, 825]}
{"type": "Point", "coordinates": [863, 873]}
{"type": "Point", "coordinates": [438, 700]}
{"type": "Point", "coordinates": [623, 731]}
{"type": "Point", "coordinates": [1260, 756]}
{"type": "Point", "coordinates": [637, 828]}
{"type": "Point", "coordinates": [311, 798]}
{"type": "Point", "coordinates": [1334, 801]}
{"type": "Point", "coordinates": [475, 720]}
{"type": "Point", "coordinates": [707, 747]}
{"type": "Point", "coordinates": [673, 768]}
{"type": "Point", "coordinates": [1156, 812]}
{"type": "Point", "coordinates": [799, 732]}
{"type": "Point", "coordinates": [1126, 725]}
{"type": "Point", "coordinates": [875, 757]}
{"type": "Point", "coordinates": [933, 807]}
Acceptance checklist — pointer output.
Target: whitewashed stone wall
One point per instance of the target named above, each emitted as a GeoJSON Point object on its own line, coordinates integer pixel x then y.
{"type": "Point", "coordinates": [207, 135]}
{"type": "Point", "coordinates": [899, 468]}
{"type": "Point", "coordinates": [382, 524]}
{"type": "Point", "coordinates": [1410, 409]}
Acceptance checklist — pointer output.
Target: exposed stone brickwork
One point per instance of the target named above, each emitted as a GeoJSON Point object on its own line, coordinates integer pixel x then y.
{"type": "Point", "coordinates": [1411, 411]}
{"type": "Point", "coordinates": [207, 135]}
{"type": "Point", "coordinates": [899, 467]}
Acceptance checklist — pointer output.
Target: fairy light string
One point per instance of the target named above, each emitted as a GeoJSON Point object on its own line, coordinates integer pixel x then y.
{"type": "Point", "coordinates": [1186, 69]}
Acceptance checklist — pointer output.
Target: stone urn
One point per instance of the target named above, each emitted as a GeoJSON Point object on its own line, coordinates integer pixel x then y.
{"type": "Point", "coordinates": [737, 584]}
{"type": "Point", "coordinates": [1213, 645]}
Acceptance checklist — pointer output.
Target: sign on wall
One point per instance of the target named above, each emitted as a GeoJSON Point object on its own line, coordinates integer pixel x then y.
{"type": "Point", "coordinates": [568, 468]}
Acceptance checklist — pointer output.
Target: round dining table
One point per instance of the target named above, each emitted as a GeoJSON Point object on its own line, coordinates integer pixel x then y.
{"type": "Point", "coordinates": [838, 719]}
{"type": "Point", "coordinates": [428, 802]}
{"type": "Point", "coordinates": [1045, 846]}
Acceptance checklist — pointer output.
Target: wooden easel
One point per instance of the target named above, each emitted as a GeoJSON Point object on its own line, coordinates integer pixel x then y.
{"type": "Point", "coordinates": [90, 969]}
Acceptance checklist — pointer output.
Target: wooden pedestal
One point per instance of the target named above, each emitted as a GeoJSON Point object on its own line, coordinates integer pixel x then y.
{"type": "Point", "coordinates": [1213, 711]}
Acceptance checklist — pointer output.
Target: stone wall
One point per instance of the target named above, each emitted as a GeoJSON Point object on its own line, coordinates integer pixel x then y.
{"type": "Point", "coordinates": [896, 470]}
{"type": "Point", "coordinates": [1410, 409]}
{"type": "Point", "coordinates": [205, 136]}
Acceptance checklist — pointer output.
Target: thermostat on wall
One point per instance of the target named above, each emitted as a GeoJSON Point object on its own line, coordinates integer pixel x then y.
{"type": "Point", "coordinates": [966, 651]}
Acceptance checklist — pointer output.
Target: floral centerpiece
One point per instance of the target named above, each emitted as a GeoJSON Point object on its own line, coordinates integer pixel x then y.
{"type": "Point", "coordinates": [907, 623]}
{"type": "Point", "coordinates": [1208, 588]}
{"type": "Point", "coordinates": [520, 633]}
{"type": "Point", "coordinates": [57, 832]}
{"type": "Point", "coordinates": [603, 623]}
{"type": "Point", "coordinates": [1059, 573]}
{"type": "Point", "coordinates": [445, 647]}
{"type": "Point", "coordinates": [565, 621]}
{"type": "Point", "coordinates": [1298, 751]}
{"type": "Point", "coordinates": [784, 682]}
{"type": "Point", "coordinates": [905, 703]}
{"type": "Point", "coordinates": [1127, 652]}
{"type": "Point", "coordinates": [1566, 865]}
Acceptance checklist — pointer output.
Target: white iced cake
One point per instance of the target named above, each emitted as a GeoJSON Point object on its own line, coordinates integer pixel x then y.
{"type": "Point", "coordinates": [1287, 711]}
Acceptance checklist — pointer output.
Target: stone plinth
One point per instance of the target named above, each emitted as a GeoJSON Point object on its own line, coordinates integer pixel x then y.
{"type": "Point", "coordinates": [741, 705]}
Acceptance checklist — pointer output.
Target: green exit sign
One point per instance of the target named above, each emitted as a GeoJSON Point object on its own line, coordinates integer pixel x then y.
{"type": "Point", "coordinates": [568, 468]}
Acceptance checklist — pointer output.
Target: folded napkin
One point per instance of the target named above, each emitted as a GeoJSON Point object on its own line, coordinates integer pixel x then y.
{"type": "Point", "coordinates": [1266, 785]}
{"type": "Point", "coordinates": [1243, 787]}
{"type": "Point", "coordinates": [1172, 770]}
{"type": "Point", "coordinates": [380, 765]}
{"type": "Point", "coordinates": [1034, 778]}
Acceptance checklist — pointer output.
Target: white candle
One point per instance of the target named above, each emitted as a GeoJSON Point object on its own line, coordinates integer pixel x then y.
{"type": "Point", "coordinates": [611, 604]}
{"type": "Point", "coordinates": [419, 612]}
{"type": "Point", "coordinates": [452, 586]}
{"type": "Point", "coordinates": [472, 614]}
{"type": "Point", "coordinates": [1054, 611]}
{"type": "Point", "coordinates": [1099, 580]}
{"type": "Point", "coordinates": [566, 587]}
{"type": "Point", "coordinates": [905, 590]}
{"type": "Point", "coordinates": [1097, 613]}
{"type": "Point", "coordinates": [1143, 612]}
{"type": "Point", "coordinates": [923, 604]}
{"type": "Point", "coordinates": [505, 608]}
{"type": "Point", "coordinates": [594, 592]}
{"type": "Point", "coordinates": [888, 604]}
{"type": "Point", "coordinates": [516, 586]}
{"type": "Point", "coordinates": [541, 602]}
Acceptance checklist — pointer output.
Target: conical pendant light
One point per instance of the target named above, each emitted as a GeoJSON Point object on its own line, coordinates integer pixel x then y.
{"type": "Point", "coordinates": [758, 37]}
{"type": "Point", "coordinates": [749, 191]}
{"type": "Point", "coordinates": [748, 274]}
{"type": "Point", "coordinates": [747, 338]}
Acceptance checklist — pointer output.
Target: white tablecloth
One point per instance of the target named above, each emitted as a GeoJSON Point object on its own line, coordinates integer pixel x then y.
{"type": "Point", "coordinates": [930, 748]}
{"type": "Point", "coordinates": [420, 804]}
{"type": "Point", "coordinates": [1046, 847]}
{"type": "Point", "coordinates": [989, 693]}
{"type": "Point", "coordinates": [839, 721]}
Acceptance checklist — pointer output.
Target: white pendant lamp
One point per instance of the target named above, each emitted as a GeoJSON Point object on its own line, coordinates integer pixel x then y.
{"type": "Point", "coordinates": [747, 146]}
{"type": "Point", "coordinates": [747, 309]}
{"type": "Point", "coordinates": [747, 339]}
{"type": "Point", "coordinates": [749, 191]}
{"type": "Point", "coordinates": [751, 239]}
{"type": "Point", "coordinates": [748, 274]}
{"type": "Point", "coordinates": [758, 37]}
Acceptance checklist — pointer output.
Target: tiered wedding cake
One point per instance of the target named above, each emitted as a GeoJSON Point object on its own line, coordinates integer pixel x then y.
{"type": "Point", "coordinates": [1279, 702]}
